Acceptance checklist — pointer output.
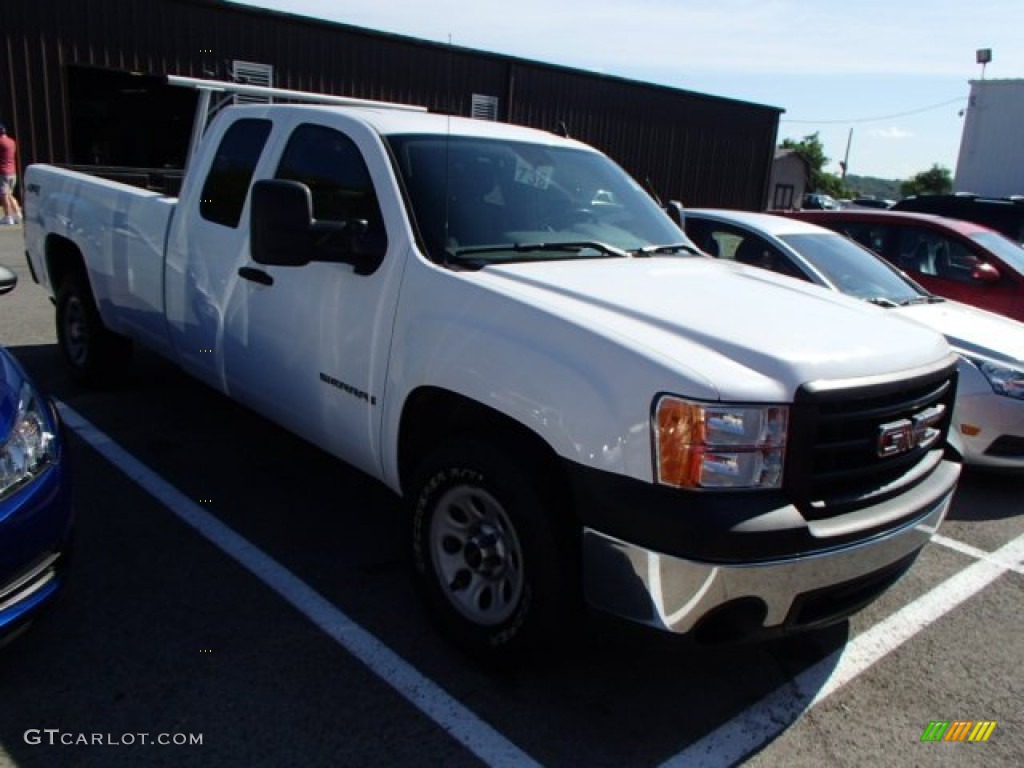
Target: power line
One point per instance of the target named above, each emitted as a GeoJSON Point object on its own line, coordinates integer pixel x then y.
{"type": "Point", "coordinates": [879, 119]}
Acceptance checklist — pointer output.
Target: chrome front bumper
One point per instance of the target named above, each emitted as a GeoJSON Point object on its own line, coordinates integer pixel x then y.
{"type": "Point", "coordinates": [733, 601]}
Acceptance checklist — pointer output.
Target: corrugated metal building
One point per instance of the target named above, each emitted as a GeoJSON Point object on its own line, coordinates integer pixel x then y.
{"type": "Point", "coordinates": [991, 160]}
{"type": "Point", "coordinates": [81, 86]}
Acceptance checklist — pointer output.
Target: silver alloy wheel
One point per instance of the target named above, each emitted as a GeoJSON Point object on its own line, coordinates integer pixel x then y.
{"type": "Point", "coordinates": [76, 331]}
{"type": "Point", "coordinates": [476, 555]}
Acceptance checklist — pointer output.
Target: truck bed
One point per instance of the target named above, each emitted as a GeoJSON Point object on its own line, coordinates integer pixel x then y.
{"type": "Point", "coordinates": [120, 231]}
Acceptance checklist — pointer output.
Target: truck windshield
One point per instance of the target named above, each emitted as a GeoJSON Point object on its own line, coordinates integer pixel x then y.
{"type": "Point", "coordinates": [484, 201]}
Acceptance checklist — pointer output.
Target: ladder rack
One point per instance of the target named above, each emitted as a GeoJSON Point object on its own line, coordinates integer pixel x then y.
{"type": "Point", "coordinates": [207, 88]}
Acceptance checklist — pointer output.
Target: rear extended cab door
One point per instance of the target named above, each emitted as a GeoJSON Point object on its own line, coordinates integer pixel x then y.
{"type": "Point", "coordinates": [306, 346]}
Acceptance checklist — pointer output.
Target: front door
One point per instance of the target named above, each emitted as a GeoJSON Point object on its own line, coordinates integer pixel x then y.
{"type": "Point", "coordinates": [308, 346]}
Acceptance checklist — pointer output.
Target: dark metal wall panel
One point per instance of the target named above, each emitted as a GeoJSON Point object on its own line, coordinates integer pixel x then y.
{"type": "Point", "coordinates": [337, 61]}
{"type": "Point", "coordinates": [700, 149]}
{"type": "Point", "coordinates": [29, 81]}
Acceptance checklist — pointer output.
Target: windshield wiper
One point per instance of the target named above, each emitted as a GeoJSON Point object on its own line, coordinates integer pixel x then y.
{"type": "Point", "coordinates": [930, 299]}
{"type": "Point", "coordinates": [571, 246]}
{"type": "Point", "coordinates": [882, 301]}
{"type": "Point", "coordinates": [651, 250]}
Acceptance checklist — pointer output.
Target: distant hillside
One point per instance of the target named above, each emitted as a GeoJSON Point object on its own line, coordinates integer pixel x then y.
{"type": "Point", "coordinates": [869, 186]}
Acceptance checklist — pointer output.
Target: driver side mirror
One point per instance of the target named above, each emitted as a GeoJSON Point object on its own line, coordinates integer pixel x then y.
{"type": "Point", "coordinates": [7, 280]}
{"type": "Point", "coordinates": [283, 232]}
{"type": "Point", "coordinates": [984, 272]}
{"type": "Point", "coordinates": [676, 212]}
{"type": "Point", "coordinates": [280, 223]}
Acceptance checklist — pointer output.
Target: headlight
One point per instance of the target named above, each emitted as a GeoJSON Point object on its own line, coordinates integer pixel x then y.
{"type": "Point", "coordinates": [1004, 380]}
{"type": "Point", "coordinates": [31, 445]}
{"type": "Point", "coordinates": [705, 445]}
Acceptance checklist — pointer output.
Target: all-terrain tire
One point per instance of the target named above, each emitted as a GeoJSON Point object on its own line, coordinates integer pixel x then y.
{"type": "Point", "coordinates": [494, 560]}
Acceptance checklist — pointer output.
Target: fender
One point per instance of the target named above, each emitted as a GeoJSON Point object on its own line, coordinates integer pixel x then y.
{"type": "Point", "coordinates": [542, 370]}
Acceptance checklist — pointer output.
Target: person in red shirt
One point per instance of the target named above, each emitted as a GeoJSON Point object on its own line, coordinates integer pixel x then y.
{"type": "Point", "coordinates": [8, 178]}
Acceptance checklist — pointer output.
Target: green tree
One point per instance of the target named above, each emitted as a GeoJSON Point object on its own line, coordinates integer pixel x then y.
{"type": "Point", "coordinates": [812, 151]}
{"type": "Point", "coordinates": [935, 181]}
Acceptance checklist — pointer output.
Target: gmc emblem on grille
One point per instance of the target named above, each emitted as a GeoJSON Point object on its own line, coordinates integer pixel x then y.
{"type": "Point", "coordinates": [896, 437]}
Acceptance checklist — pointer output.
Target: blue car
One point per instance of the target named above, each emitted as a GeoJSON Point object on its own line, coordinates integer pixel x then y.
{"type": "Point", "coordinates": [35, 494]}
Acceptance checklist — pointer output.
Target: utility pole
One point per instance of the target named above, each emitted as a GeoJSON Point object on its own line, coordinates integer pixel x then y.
{"type": "Point", "coordinates": [846, 159]}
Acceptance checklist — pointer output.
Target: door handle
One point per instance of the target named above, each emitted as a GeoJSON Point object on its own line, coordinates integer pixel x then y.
{"type": "Point", "coordinates": [256, 275]}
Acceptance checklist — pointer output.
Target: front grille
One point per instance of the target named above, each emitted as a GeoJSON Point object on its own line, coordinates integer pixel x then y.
{"type": "Point", "coordinates": [833, 463]}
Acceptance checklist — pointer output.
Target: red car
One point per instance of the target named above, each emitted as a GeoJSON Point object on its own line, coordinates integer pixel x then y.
{"type": "Point", "coordinates": [952, 258]}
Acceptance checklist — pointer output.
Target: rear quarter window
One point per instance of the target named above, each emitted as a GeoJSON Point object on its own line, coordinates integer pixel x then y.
{"type": "Point", "coordinates": [227, 183]}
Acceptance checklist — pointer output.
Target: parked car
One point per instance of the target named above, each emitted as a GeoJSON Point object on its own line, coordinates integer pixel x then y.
{"type": "Point", "coordinates": [988, 418]}
{"type": "Point", "coordinates": [35, 495]}
{"type": "Point", "coordinates": [952, 258]}
{"type": "Point", "coordinates": [1003, 214]}
{"type": "Point", "coordinates": [815, 201]}
{"type": "Point", "coordinates": [871, 202]}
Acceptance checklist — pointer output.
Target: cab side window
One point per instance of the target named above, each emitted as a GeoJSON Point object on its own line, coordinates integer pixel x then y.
{"type": "Point", "coordinates": [730, 243]}
{"type": "Point", "coordinates": [758, 252]}
{"type": "Point", "coordinates": [915, 251]}
{"type": "Point", "coordinates": [935, 255]}
{"type": "Point", "coordinates": [954, 261]}
{"type": "Point", "coordinates": [331, 165]}
{"type": "Point", "coordinates": [227, 183]}
{"type": "Point", "coordinates": [871, 236]}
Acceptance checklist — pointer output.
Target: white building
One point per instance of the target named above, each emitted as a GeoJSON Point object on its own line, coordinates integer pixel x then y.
{"type": "Point", "coordinates": [790, 178]}
{"type": "Point", "coordinates": [991, 161]}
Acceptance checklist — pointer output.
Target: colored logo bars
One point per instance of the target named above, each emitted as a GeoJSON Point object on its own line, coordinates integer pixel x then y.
{"type": "Point", "coordinates": [958, 730]}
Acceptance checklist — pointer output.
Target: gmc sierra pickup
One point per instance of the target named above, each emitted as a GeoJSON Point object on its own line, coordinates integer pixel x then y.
{"type": "Point", "coordinates": [577, 406]}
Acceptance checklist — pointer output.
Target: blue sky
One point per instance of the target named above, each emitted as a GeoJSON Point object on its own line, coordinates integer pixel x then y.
{"type": "Point", "coordinates": [895, 71]}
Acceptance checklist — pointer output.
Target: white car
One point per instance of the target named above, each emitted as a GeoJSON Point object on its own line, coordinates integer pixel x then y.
{"type": "Point", "coordinates": [988, 420]}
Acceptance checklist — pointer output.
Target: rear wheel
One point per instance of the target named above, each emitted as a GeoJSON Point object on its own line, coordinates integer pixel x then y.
{"type": "Point", "coordinates": [94, 354]}
{"type": "Point", "coordinates": [491, 556]}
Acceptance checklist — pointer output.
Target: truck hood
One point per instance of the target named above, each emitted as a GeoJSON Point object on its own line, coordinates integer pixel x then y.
{"type": "Point", "coordinates": [743, 333]}
{"type": "Point", "coordinates": [971, 331]}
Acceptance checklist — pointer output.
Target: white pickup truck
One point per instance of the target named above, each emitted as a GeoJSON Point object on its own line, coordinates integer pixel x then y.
{"type": "Point", "coordinates": [578, 407]}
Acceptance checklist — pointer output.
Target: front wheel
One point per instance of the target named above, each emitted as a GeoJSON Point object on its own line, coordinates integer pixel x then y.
{"type": "Point", "coordinates": [93, 353]}
{"type": "Point", "coordinates": [492, 556]}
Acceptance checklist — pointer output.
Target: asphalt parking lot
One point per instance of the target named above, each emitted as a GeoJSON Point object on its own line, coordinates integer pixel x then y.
{"type": "Point", "coordinates": [233, 583]}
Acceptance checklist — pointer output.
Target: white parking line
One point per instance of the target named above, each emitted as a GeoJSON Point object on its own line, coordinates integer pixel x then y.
{"type": "Point", "coordinates": [756, 726]}
{"type": "Point", "coordinates": [977, 554]}
{"type": "Point", "coordinates": [452, 716]}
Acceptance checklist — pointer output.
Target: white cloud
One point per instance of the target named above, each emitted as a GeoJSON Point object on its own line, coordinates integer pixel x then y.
{"type": "Point", "coordinates": [891, 133]}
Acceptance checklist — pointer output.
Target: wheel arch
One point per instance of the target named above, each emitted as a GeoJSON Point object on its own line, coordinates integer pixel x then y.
{"type": "Point", "coordinates": [432, 415]}
{"type": "Point", "coordinates": [63, 257]}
